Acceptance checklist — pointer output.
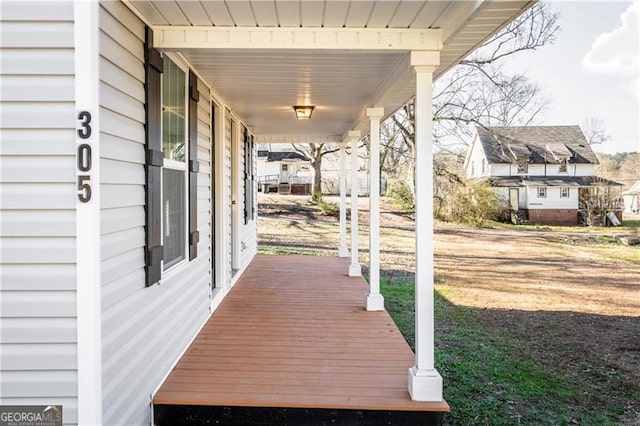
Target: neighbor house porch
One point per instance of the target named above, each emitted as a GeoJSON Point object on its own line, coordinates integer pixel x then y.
{"type": "Point", "coordinates": [293, 342]}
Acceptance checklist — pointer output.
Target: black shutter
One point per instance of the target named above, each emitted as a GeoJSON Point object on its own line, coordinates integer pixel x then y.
{"type": "Point", "coordinates": [194, 97]}
{"type": "Point", "coordinates": [154, 159]}
{"type": "Point", "coordinates": [253, 180]}
{"type": "Point", "coordinates": [247, 175]}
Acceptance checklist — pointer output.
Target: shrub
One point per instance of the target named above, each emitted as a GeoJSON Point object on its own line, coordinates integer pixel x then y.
{"type": "Point", "coordinates": [479, 203]}
{"type": "Point", "coordinates": [328, 208]}
{"type": "Point", "coordinates": [402, 196]}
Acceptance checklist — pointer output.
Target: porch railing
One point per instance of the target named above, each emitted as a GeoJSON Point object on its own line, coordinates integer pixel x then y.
{"type": "Point", "coordinates": [268, 179]}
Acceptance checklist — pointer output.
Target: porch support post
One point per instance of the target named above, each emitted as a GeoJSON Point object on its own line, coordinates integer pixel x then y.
{"type": "Point", "coordinates": [354, 269]}
{"type": "Point", "coordinates": [88, 208]}
{"type": "Point", "coordinates": [425, 383]}
{"type": "Point", "coordinates": [343, 251]}
{"type": "Point", "coordinates": [375, 301]}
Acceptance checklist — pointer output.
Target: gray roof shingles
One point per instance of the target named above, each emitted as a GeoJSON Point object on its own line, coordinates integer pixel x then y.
{"type": "Point", "coordinates": [543, 144]}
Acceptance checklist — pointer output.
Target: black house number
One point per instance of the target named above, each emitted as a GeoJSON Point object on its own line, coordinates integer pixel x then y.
{"type": "Point", "coordinates": [84, 157]}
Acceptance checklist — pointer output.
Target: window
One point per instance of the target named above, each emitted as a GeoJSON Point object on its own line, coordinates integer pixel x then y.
{"type": "Point", "coordinates": [563, 166]}
{"type": "Point", "coordinates": [523, 164]}
{"type": "Point", "coordinates": [542, 192]}
{"type": "Point", "coordinates": [483, 166]}
{"type": "Point", "coordinates": [171, 169]}
{"type": "Point", "coordinates": [564, 192]}
{"type": "Point", "coordinates": [174, 179]}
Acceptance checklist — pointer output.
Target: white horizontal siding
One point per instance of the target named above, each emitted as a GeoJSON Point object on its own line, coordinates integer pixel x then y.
{"type": "Point", "coordinates": [38, 304]}
{"type": "Point", "coordinates": [33, 169]}
{"type": "Point", "coordinates": [38, 223]}
{"type": "Point", "coordinates": [37, 142]}
{"type": "Point", "coordinates": [38, 330]}
{"type": "Point", "coordinates": [38, 359]}
{"type": "Point", "coordinates": [144, 329]}
{"type": "Point", "coordinates": [33, 385]}
{"type": "Point", "coordinates": [37, 277]}
{"type": "Point", "coordinates": [35, 89]}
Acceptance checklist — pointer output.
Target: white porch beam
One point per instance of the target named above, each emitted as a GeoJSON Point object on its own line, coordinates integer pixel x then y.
{"type": "Point", "coordinates": [425, 383]}
{"type": "Point", "coordinates": [343, 251]}
{"type": "Point", "coordinates": [375, 301]}
{"type": "Point", "coordinates": [354, 269]}
{"type": "Point", "coordinates": [297, 139]}
{"type": "Point", "coordinates": [187, 37]}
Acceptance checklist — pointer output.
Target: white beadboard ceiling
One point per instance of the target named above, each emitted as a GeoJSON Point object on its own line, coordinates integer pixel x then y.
{"type": "Point", "coordinates": [262, 85]}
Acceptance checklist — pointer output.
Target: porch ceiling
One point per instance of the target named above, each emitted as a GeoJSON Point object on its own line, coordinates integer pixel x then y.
{"type": "Point", "coordinates": [262, 85]}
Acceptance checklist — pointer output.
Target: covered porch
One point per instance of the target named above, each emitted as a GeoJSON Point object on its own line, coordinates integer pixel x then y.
{"type": "Point", "coordinates": [316, 337]}
{"type": "Point", "coordinates": [293, 341]}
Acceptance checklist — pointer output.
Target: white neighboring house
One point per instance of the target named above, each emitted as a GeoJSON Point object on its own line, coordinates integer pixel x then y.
{"type": "Point", "coordinates": [128, 169]}
{"type": "Point", "coordinates": [283, 170]}
{"type": "Point", "coordinates": [543, 171]}
{"type": "Point", "coordinates": [631, 199]}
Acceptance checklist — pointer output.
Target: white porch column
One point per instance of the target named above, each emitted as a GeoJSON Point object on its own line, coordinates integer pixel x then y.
{"type": "Point", "coordinates": [375, 301]}
{"type": "Point", "coordinates": [425, 383]}
{"type": "Point", "coordinates": [343, 251]}
{"type": "Point", "coordinates": [354, 269]}
{"type": "Point", "coordinates": [88, 208]}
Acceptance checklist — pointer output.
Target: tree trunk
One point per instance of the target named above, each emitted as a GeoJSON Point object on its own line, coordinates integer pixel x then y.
{"type": "Point", "coordinates": [317, 175]}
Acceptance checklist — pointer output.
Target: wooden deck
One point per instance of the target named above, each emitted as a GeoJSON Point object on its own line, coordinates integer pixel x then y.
{"type": "Point", "coordinates": [294, 333]}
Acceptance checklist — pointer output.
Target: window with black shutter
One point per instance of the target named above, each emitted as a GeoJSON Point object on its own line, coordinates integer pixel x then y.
{"type": "Point", "coordinates": [171, 162]}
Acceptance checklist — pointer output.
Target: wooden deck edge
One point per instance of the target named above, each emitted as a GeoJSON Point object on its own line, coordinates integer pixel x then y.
{"type": "Point", "coordinates": [436, 406]}
{"type": "Point", "coordinates": [260, 416]}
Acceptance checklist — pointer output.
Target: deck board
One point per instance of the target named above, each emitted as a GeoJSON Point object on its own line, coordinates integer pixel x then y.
{"type": "Point", "coordinates": [294, 333]}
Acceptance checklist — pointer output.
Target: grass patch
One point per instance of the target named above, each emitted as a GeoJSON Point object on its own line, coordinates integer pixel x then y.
{"type": "Point", "coordinates": [492, 378]}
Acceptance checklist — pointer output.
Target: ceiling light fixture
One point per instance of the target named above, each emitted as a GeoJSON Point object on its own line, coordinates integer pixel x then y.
{"type": "Point", "coordinates": [303, 112]}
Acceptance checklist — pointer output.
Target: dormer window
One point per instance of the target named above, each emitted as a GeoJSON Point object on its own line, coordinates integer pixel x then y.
{"type": "Point", "coordinates": [563, 165]}
{"type": "Point", "coordinates": [523, 164]}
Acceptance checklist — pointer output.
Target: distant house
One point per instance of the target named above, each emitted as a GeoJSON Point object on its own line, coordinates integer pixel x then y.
{"type": "Point", "coordinates": [284, 171]}
{"type": "Point", "coordinates": [547, 173]}
{"type": "Point", "coordinates": [631, 199]}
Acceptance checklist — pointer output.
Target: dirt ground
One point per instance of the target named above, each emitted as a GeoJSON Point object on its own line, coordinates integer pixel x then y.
{"type": "Point", "coordinates": [576, 292]}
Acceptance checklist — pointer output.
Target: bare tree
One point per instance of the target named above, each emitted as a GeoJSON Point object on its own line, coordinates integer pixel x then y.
{"type": "Point", "coordinates": [594, 131]}
{"type": "Point", "coordinates": [479, 91]}
{"type": "Point", "coordinates": [314, 152]}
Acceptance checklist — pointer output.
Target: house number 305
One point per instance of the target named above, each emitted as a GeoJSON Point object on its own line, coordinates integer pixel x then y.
{"type": "Point", "coordinates": [84, 157]}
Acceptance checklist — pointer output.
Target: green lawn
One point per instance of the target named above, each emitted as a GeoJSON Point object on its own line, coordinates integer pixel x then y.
{"type": "Point", "coordinates": [490, 376]}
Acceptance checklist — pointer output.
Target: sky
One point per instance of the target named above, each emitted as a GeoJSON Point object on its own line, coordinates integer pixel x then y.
{"type": "Point", "coordinates": [591, 71]}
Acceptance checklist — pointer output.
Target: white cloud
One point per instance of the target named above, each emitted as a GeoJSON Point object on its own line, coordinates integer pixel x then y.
{"type": "Point", "coordinates": [616, 51]}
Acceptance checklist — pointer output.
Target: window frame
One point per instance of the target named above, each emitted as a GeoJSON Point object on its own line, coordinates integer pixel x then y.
{"type": "Point", "coordinates": [562, 192]}
{"type": "Point", "coordinates": [542, 192]}
{"type": "Point", "coordinates": [563, 167]}
{"type": "Point", "coordinates": [176, 165]}
{"type": "Point", "coordinates": [522, 164]}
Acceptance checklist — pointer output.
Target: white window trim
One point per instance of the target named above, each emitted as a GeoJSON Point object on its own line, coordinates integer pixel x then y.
{"type": "Point", "coordinates": [177, 165]}
{"type": "Point", "coordinates": [544, 189]}
{"type": "Point", "coordinates": [568, 195]}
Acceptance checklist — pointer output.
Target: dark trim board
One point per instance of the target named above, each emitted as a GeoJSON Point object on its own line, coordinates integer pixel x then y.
{"type": "Point", "coordinates": [191, 415]}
